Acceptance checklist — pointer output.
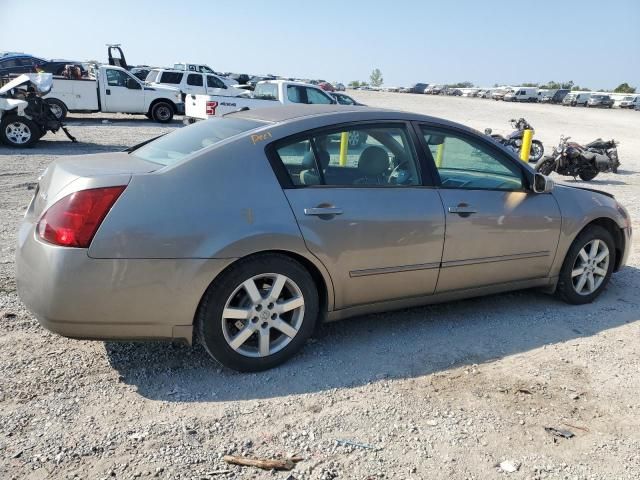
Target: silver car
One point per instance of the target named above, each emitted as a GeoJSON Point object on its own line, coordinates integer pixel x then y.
{"type": "Point", "coordinates": [244, 232]}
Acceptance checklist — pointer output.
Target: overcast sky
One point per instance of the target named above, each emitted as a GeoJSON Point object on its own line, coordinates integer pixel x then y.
{"type": "Point", "coordinates": [594, 43]}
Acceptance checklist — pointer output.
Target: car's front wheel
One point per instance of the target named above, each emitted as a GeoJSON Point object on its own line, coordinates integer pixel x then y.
{"type": "Point", "coordinates": [258, 313]}
{"type": "Point", "coordinates": [587, 267]}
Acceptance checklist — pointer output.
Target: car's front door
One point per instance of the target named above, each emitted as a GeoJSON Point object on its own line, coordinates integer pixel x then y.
{"type": "Point", "coordinates": [364, 212]}
{"type": "Point", "coordinates": [497, 230]}
{"type": "Point", "coordinates": [215, 86]}
{"type": "Point", "coordinates": [122, 92]}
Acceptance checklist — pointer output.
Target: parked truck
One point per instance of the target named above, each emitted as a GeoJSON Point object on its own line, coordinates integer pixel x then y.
{"type": "Point", "coordinates": [266, 94]}
{"type": "Point", "coordinates": [114, 90]}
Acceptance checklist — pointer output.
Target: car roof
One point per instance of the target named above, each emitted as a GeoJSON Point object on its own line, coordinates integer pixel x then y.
{"type": "Point", "coordinates": [342, 113]}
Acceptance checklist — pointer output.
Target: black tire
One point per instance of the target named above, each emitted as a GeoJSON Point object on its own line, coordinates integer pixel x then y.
{"type": "Point", "coordinates": [536, 152]}
{"type": "Point", "coordinates": [565, 289]}
{"type": "Point", "coordinates": [210, 312]}
{"type": "Point", "coordinates": [162, 112]}
{"type": "Point", "coordinates": [587, 174]}
{"type": "Point", "coordinates": [9, 135]}
{"type": "Point", "coordinates": [58, 108]}
{"type": "Point", "coordinates": [545, 165]}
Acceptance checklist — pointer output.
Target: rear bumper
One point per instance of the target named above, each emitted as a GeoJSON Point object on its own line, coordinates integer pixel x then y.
{"type": "Point", "coordinates": [81, 297]}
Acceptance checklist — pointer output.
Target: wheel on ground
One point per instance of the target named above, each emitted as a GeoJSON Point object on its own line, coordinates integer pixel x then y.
{"type": "Point", "coordinates": [18, 132]}
{"type": "Point", "coordinates": [588, 173]}
{"type": "Point", "coordinates": [58, 108]}
{"type": "Point", "coordinates": [545, 166]}
{"type": "Point", "coordinates": [587, 267]}
{"type": "Point", "coordinates": [258, 313]}
{"type": "Point", "coordinates": [162, 112]}
{"type": "Point", "coordinates": [536, 152]}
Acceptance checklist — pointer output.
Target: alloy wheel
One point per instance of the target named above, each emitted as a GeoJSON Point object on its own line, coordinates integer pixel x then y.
{"type": "Point", "coordinates": [590, 267]}
{"type": "Point", "coordinates": [263, 315]}
{"type": "Point", "coordinates": [18, 133]}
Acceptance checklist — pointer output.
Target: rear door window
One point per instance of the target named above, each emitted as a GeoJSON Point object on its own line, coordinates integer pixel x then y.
{"type": "Point", "coordinates": [195, 79]}
{"type": "Point", "coordinates": [171, 77]}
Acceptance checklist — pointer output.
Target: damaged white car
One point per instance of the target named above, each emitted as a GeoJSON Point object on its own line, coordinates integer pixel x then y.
{"type": "Point", "coordinates": [24, 116]}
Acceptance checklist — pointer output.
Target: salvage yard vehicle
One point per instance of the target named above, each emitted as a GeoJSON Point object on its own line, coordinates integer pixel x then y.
{"type": "Point", "coordinates": [244, 232]}
{"type": "Point", "coordinates": [585, 161]}
{"type": "Point", "coordinates": [524, 94]}
{"type": "Point", "coordinates": [574, 99]}
{"type": "Point", "coordinates": [115, 90]}
{"type": "Point", "coordinates": [514, 139]}
{"type": "Point", "coordinates": [266, 94]}
{"type": "Point", "coordinates": [600, 101]}
{"type": "Point", "coordinates": [24, 116]}
{"type": "Point", "coordinates": [194, 83]}
{"type": "Point", "coordinates": [630, 102]}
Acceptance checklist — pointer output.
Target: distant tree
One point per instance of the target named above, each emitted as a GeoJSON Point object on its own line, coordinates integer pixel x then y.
{"type": "Point", "coordinates": [529, 85]}
{"type": "Point", "coordinates": [568, 85]}
{"type": "Point", "coordinates": [496, 85]}
{"type": "Point", "coordinates": [354, 84]}
{"type": "Point", "coordinates": [624, 88]}
{"type": "Point", "coordinates": [376, 78]}
{"type": "Point", "coordinates": [461, 85]}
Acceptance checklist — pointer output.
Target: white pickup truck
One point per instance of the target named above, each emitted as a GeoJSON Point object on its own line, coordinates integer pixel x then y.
{"type": "Point", "coordinates": [266, 94]}
{"type": "Point", "coordinates": [114, 90]}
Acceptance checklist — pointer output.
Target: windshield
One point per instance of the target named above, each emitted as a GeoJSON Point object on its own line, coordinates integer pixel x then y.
{"type": "Point", "coordinates": [170, 149]}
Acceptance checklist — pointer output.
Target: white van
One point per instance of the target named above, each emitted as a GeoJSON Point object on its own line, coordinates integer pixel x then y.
{"type": "Point", "coordinates": [523, 94]}
{"type": "Point", "coordinates": [575, 98]}
{"type": "Point", "coordinates": [193, 83]}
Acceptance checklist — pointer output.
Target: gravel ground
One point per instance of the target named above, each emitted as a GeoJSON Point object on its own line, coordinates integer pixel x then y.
{"type": "Point", "coordinates": [445, 391]}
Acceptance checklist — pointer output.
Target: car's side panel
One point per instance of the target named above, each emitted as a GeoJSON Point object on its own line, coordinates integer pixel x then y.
{"type": "Point", "coordinates": [579, 208]}
{"type": "Point", "coordinates": [512, 236]}
{"type": "Point", "coordinates": [386, 244]}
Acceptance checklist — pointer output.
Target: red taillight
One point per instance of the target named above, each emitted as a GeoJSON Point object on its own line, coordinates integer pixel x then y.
{"type": "Point", "coordinates": [74, 220]}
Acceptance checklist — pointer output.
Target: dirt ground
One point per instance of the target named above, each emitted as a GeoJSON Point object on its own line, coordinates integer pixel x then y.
{"type": "Point", "coordinates": [444, 391]}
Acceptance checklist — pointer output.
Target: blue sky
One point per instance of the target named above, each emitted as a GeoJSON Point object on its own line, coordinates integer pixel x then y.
{"type": "Point", "coordinates": [594, 43]}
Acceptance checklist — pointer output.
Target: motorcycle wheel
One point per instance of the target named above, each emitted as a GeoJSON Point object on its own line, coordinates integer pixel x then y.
{"type": "Point", "coordinates": [587, 174]}
{"type": "Point", "coordinates": [537, 150]}
{"type": "Point", "coordinates": [545, 166]}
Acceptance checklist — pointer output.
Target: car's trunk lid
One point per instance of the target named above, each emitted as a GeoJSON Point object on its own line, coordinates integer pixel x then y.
{"type": "Point", "coordinates": [64, 176]}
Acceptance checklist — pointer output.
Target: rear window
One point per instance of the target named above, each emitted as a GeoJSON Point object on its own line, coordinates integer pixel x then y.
{"type": "Point", "coordinates": [266, 91]}
{"type": "Point", "coordinates": [170, 149]}
{"type": "Point", "coordinates": [171, 77]}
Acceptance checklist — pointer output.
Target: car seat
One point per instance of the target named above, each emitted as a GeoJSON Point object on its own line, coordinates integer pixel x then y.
{"type": "Point", "coordinates": [372, 166]}
{"type": "Point", "coordinates": [310, 174]}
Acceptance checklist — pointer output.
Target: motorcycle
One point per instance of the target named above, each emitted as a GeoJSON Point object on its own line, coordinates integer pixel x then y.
{"type": "Point", "coordinates": [514, 139]}
{"type": "Point", "coordinates": [575, 160]}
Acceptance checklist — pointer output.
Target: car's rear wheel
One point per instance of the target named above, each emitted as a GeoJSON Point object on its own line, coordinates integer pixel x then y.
{"type": "Point", "coordinates": [258, 313]}
{"type": "Point", "coordinates": [162, 112]}
{"type": "Point", "coordinates": [587, 267]}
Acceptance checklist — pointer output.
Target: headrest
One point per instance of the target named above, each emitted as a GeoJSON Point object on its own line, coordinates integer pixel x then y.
{"type": "Point", "coordinates": [373, 161]}
{"type": "Point", "coordinates": [308, 162]}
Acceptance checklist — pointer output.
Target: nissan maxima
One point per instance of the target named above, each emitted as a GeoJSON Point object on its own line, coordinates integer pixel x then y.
{"type": "Point", "coordinates": [244, 232]}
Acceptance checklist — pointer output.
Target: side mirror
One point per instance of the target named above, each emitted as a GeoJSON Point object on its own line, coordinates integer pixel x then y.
{"type": "Point", "coordinates": [488, 131]}
{"type": "Point", "coordinates": [542, 183]}
{"type": "Point", "coordinates": [132, 84]}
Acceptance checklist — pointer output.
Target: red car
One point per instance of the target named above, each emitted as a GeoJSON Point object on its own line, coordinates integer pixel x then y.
{"type": "Point", "coordinates": [326, 86]}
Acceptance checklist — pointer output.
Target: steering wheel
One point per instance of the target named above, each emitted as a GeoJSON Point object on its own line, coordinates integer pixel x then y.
{"type": "Point", "coordinates": [395, 173]}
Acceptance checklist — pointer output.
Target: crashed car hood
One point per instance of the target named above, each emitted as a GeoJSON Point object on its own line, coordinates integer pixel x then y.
{"type": "Point", "coordinates": [42, 82]}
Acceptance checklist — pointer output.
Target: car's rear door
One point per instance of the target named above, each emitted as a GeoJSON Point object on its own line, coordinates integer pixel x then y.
{"type": "Point", "coordinates": [364, 212]}
{"type": "Point", "coordinates": [497, 230]}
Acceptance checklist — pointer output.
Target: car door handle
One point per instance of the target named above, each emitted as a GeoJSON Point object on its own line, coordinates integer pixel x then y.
{"type": "Point", "coordinates": [319, 211]}
{"type": "Point", "coordinates": [462, 209]}
{"type": "Point", "coordinates": [108, 92]}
